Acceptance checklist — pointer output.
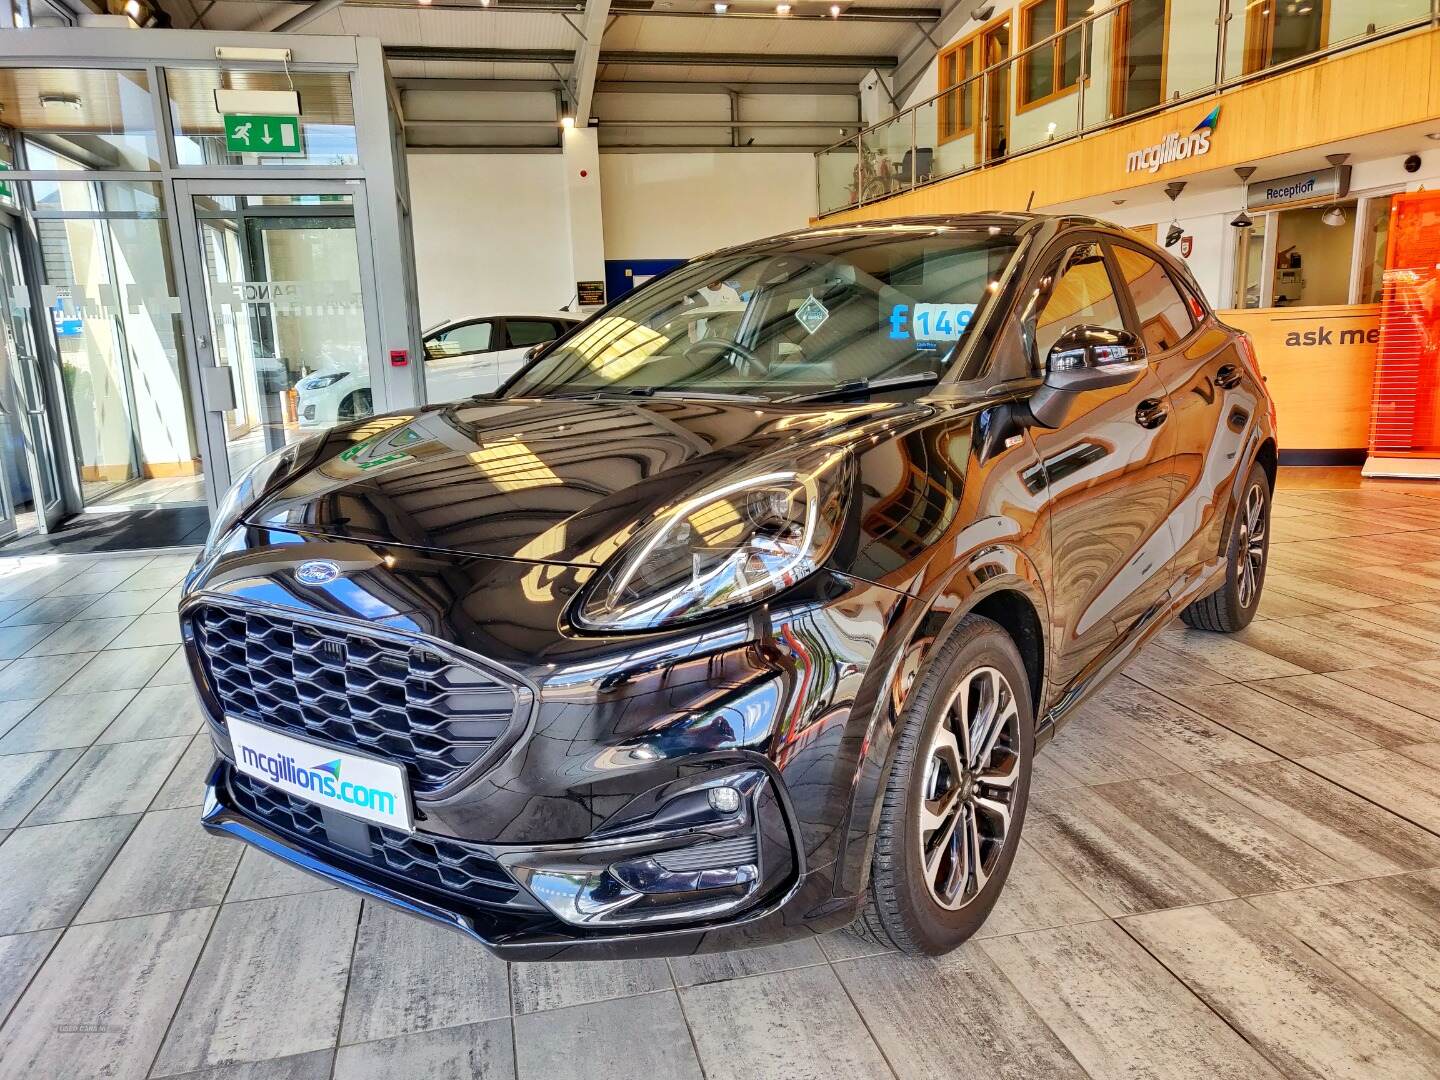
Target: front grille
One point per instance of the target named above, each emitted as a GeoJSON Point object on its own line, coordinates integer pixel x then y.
{"type": "Point", "coordinates": [405, 703]}
{"type": "Point", "coordinates": [435, 861]}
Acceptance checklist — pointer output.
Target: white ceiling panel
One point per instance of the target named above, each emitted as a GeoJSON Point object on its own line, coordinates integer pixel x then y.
{"type": "Point", "coordinates": [393, 26]}
{"type": "Point", "coordinates": [495, 30]}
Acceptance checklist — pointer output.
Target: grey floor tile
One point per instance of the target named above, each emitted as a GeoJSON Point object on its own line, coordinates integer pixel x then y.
{"type": "Point", "coordinates": [1117, 1010]}
{"type": "Point", "coordinates": [16, 641]}
{"type": "Point", "coordinates": [175, 670]}
{"type": "Point", "coordinates": [58, 723]}
{"type": "Point", "coordinates": [473, 1052]}
{"type": "Point", "coordinates": [168, 863]}
{"type": "Point", "coordinates": [270, 983]}
{"type": "Point", "coordinates": [1286, 999]}
{"type": "Point", "coordinates": [1357, 711]}
{"type": "Point", "coordinates": [1244, 850]}
{"type": "Point", "coordinates": [312, 1066]}
{"type": "Point", "coordinates": [1284, 729]}
{"type": "Point", "coordinates": [117, 669]}
{"type": "Point", "coordinates": [1415, 686]}
{"type": "Point", "coordinates": [261, 876]}
{"type": "Point", "coordinates": [100, 1005]}
{"type": "Point", "coordinates": [11, 607]}
{"type": "Point", "coordinates": [1303, 647]}
{"type": "Point", "coordinates": [20, 957]}
{"type": "Point", "coordinates": [1374, 932]}
{"type": "Point", "coordinates": [910, 1006]}
{"type": "Point", "coordinates": [162, 628]}
{"type": "Point", "coordinates": [166, 601]}
{"type": "Point", "coordinates": [538, 986]}
{"type": "Point", "coordinates": [157, 712]}
{"type": "Point", "coordinates": [80, 636]}
{"type": "Point", "coordinates": [1399, 783]}
{"type": "Point", "coordinates": [1355, 832]}
{"type": "Point", "coordinates": [751, 1028]}
{"type": "Point", "coordinates": [49, 609]}
{"type": "Point", "coordinates": [1090, 752]}
{"type": "Point", "coordinates": [409, 975]}
{"type": "Point", "coordinates": [1171, 730]}
{"type": "Point", "coordinates": [642, 1036]}
{"type": "Point", "coordinates": [107, 576]}
{"type": "Point", "coordinates": [1115, 860]}
{"type": "Point", "coordinates": [118, 779]}
{"type": "Point", "coordinates": [185, 785]}
{"type": "Point", "coordinates": [130, 602]}
{"type": "Point", "coordinates": [1160, 668]}
{"type": "Point", "coordinates": [1224, 653]}
{"type": "Point", "coordinates": [1036, 897]}
{"type": "Point", "coordinates": [718, 966]}
{"type": "Point", "coordinates": [38, 676]}
{"type": "Point", "coordinates": [25, 779]}
{"type": "Point", "coordinates": [847, 944]}
{"type": "Point", "coordinates": [49, 870]}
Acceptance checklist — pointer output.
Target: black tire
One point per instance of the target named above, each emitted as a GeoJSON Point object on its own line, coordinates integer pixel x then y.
{"type": "Point", "coordinates": [903, 910]}
{"type": "Point", "coordinates": [1231, 607]}
{"type": "Point", "coordinates": [357, 406]}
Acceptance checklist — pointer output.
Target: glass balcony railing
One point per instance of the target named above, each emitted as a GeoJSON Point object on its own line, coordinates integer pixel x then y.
{"type": "Point", "coordinates": [1110, 65]}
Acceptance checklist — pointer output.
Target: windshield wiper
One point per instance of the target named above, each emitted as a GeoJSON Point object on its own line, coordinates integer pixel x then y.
{"type": "Point", "coordinates": [867, 386]}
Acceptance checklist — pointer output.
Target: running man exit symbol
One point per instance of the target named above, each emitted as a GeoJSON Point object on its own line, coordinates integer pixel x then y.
{"type": "Point", "coordinates": [263, 135]}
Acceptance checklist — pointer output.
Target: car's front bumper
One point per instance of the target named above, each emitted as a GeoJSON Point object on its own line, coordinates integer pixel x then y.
{"type": "Point", "coordinates": [506, 917]}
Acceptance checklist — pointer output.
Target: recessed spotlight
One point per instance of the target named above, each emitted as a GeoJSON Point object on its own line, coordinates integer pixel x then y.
{"type": "Point", "coordinates": [782, 9]}
{"type": "Point", "coordinates": [834, 11]}
{"type": "Point", "coordinates": [567, 121]}
{"type": "Point", "coordinates": [1434, 135]}
{"type": "Point", "coordinates": [721, 7]}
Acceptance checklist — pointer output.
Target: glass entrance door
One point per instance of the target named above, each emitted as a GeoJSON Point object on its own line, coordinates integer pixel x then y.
{"type": "Point", "coordinates": [29, 483]}
{"type": "Point", "coordinates": [276, 278]}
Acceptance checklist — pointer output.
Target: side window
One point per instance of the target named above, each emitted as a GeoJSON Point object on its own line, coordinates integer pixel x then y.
{"type": "Point", "coordinates": [1165, 319]}
{"type": "Point", "coordinates": [472, 337]}
{"type": "Point", "coordinates": [525, 332]}
{"type": "Point", "coordinates": [1081, 294]}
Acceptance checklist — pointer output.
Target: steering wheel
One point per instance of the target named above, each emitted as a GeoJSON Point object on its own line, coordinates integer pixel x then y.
{"type": "Point", "coordinates": [748, 362]}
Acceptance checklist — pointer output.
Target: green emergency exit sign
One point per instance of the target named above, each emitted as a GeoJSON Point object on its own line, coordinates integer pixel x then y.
{"type": "Point", "coordinates": [263, 135]}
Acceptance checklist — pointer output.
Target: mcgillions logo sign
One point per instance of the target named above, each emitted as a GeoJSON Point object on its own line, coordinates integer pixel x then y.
{"type": "Point", "coordinates": [321, 779]}
{"type": "Point", "coordinates": [1175, 146]}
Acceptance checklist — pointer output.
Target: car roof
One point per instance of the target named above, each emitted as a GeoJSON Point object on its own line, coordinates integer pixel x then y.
{"type": "Point", "coordinates": [564, 316]}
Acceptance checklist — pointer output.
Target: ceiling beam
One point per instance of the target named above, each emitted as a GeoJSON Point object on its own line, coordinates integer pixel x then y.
{"type": "Point", "coordinates": [587, 58]}
{"type": "Point", "coordinates": [309, 14]}
{"type": "Point", "coordinates": [655, 59]}
{"type": "Point", "coordinates": [618, 9]}
{"type": "Point", "coordinates": [542, 86]}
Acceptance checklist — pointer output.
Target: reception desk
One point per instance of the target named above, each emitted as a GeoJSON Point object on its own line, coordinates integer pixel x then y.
{"type": "Point", "coordinates": [1319, 363]}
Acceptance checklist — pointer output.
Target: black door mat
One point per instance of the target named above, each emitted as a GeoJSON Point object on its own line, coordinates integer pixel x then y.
{"type": "Point", "coordinates": [158, 527]}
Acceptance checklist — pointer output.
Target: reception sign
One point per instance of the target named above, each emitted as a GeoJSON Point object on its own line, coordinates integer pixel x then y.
{"type": "Point", "coordinates": [1319, 365]}
{"type": "Point", "coordinates": [1405, 429]}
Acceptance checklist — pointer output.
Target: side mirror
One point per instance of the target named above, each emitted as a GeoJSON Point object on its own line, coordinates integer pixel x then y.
{"type": "Point", "coordinates": [1085, 358]}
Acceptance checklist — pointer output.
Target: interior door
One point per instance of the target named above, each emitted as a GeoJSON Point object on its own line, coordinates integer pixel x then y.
{"type": "Point", "coordinates": [995, 47]}
{"type": "Point", "coordinates": [1107, 473]}
{"type": "Point", "coordinates": [278, 276]}
{"type": "Point", "coordinates": [31, 480]}
{"type": "Point", "coordinates": [1137, 78]}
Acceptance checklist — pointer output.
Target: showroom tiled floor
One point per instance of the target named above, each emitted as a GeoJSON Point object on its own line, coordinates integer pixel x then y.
{"type": "Point", "coordinates": [1231, 869]}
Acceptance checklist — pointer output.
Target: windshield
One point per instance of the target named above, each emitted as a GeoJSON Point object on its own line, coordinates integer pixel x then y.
{"type": "Point", "coordinates": [788, 319]}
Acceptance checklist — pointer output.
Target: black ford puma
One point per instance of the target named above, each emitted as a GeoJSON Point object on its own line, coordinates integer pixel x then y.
{"type": "Point", "coordinates": [740, 612]}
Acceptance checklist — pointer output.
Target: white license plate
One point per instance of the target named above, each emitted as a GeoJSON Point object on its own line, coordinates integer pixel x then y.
{"type": "Point", "coordinates": [354, 784]}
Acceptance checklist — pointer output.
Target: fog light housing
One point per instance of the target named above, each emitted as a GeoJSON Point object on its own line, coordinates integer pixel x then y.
{"type": "Point", "coordinates": [685, 860]}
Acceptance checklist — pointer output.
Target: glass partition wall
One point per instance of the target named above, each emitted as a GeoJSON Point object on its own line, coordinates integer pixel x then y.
{"type": "Point", "coordinates": [1047, 70]}
{"type": "Point", "coordinates": [173, 310]}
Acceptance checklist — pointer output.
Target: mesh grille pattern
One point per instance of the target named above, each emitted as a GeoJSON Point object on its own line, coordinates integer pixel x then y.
{"type": "Point", "coordinates": [439, 862]}
{"type": "Point", "coordinates": [407, 704]}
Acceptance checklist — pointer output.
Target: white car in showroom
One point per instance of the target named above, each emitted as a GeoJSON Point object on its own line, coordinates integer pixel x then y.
{"type": "Point", "coordinates": [463, 357]}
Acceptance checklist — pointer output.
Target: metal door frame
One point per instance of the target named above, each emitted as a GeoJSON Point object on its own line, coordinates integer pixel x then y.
{"type": "Point", "coordinates": [210, 424]}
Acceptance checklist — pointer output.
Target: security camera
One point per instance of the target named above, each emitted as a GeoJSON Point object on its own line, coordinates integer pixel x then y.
{"type": "Point", "coordinates": [1412, 163]}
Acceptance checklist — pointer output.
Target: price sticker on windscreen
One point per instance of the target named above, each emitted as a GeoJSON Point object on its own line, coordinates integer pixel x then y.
{"type": "Point", "coordinates": [940, 322]}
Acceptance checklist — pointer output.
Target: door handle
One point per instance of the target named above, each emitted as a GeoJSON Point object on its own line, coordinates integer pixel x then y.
{"type": "Point", "coordinates": [1228, 377]}
{"type": "Point", "coordinates": [1151, 413]}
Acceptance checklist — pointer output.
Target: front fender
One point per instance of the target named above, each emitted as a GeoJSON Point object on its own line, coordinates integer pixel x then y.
{"type": "Point", "coordinates": [922, 621]}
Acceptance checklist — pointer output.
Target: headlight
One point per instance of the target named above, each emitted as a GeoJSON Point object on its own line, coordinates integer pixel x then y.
{"type": "Point", "coordinates": [246, 490]}
{"type": "Point", "coordinates": [319, 382]}
{"type": "Point", "coordinates": [758, 532]}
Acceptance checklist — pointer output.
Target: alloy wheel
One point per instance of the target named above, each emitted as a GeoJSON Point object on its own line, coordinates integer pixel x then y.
{"type": "Point", "coordinates": [1252, 546]}
{"type": "Point", "coordinates": [972, 767]}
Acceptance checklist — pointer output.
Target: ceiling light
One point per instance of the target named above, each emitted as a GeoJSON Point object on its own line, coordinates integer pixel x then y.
{"type": "Point", "coordinates": [59, 101]}
{"type": "Point", "coordinates": [834, 11]}
{"type": "Point", "coordinates": [1242, 220]}
{"type": "Point", "coordinates": [1434, 135]}
{"type": "Point", "coordinates": [1173, 235]}
{"type": "Point", "coordinates": [132, 8]}
{"type": "Point", "coordinates": [1334, 217]}
{"type": "Point", "coordinates": [782, 9]}
{"type": "Point", "coordinates": [721, 7]}
{"type": "Point", "coordinates": [567, 121]}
